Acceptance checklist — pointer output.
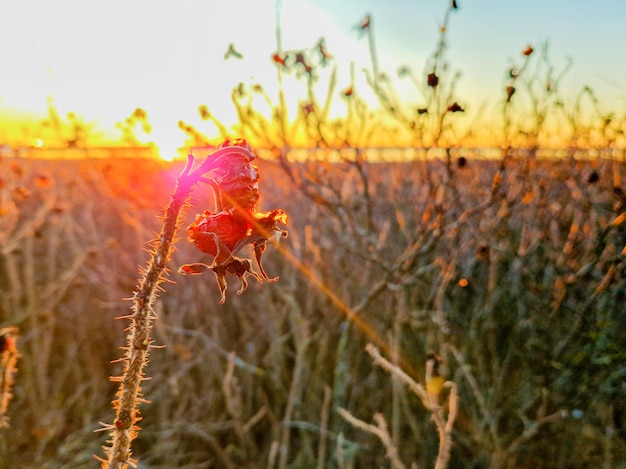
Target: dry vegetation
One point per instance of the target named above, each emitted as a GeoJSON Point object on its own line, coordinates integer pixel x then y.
{"type": "Point", "coordinates": [515, 278]}
{"type": "Point", "coordinates": [448, 311]}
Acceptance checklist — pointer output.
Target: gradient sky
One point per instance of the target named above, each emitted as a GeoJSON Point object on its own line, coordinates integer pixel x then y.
{"type": "Point", "coordinates": [102, 60]}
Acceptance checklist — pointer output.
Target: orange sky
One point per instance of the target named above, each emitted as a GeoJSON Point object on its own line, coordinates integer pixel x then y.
{"type": "Point", "coordinates": [97, 62]}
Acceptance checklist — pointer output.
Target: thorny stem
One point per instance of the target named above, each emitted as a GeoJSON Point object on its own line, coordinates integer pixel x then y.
{"type": "Point", "coordinates": [124, 429]}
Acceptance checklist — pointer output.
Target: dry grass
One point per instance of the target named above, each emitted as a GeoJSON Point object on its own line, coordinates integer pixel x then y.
{"type": "Point", "coordinates": [519, 286]}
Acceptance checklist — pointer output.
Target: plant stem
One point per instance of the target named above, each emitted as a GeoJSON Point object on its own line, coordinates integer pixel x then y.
{"type": "Point", "coordinates": [124, 430]}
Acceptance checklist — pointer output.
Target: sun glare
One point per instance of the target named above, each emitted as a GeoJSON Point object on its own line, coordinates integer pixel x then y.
{"type": "Point", "coordinates": [166, 150]}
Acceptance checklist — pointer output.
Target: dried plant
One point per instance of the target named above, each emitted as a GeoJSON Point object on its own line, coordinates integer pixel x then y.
{"type": "Point", "coordinates": [235, 181]}
{"type": "Point", "coordinates": [514, 273]}
{"type": "Point", "coordinates": [9, 355]}
{"type": "Point", "coordinates": [433, 123]}
{"type": "Point", "coordinates": [431, 398]}
{"type": "Point", "coordinates": [521, 295]}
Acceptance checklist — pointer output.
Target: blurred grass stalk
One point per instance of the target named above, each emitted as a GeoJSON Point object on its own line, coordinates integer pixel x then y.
{"type": "Point", "coordinates": [9, 355]}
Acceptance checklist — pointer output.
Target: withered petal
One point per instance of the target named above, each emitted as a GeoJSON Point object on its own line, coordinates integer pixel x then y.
{"type": "Point", "coordinates": [259, 249]}
{"type": "Point", "coordinates": [224, 255]}
{"type": "Point", "coordinates": [244, 285]}
{"type": "Point", "coordinates": [193, 269]}
{"type": "Point", "coordinates": [221, 283]}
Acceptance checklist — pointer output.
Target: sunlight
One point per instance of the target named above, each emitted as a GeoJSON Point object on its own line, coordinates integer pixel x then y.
{"type": "Point", "coordinates": [352, 314]}
{"type": "Point", "coordinates": [166, 150]}
{"type": "Point", "coordinates": [167, 142]}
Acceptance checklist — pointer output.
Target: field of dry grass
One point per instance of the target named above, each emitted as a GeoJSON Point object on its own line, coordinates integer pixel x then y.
{"type": "Point", "coordinates": [514, 276]}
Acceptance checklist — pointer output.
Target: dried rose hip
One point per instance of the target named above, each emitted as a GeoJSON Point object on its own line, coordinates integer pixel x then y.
{"type": "Point", "coordinates": [224, 225]}
{"type": "Point", "coordinates": [236, 223]}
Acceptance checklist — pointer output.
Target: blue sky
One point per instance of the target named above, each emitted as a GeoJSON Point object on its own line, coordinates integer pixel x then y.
{"type": "Point", "coordinates": [103, 59]}
{"type": "Point", "coordinates": [484, 35]}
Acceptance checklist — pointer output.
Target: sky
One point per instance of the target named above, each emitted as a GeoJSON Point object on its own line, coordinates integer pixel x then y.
{"type": "Point", "coordinates": [101, 60]}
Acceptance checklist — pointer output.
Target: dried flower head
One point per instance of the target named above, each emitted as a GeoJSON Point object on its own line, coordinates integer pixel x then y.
{"type": "Point", "coordinates": [217, 233]}
{"type": "Point", "coordinates": [237, 223]}
{"type": "Point", "coordinates": [324, 55]}
{"type": "Point", "coordinates": [455, 107]}
{"type": "Point", "coordinates": [280, 59]}
{"type": "Point", "coordinates": [432, 80]}
{"type": "Point", "coordinates": [510, 91]}
{"type": "Point", "coordinates": [365, 23]}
